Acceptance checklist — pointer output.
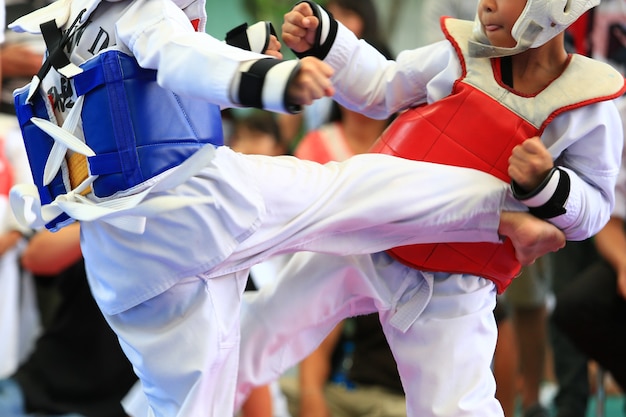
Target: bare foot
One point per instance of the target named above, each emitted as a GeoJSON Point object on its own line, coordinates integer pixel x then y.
{"type": "Point", "coordinates": [531, 237]}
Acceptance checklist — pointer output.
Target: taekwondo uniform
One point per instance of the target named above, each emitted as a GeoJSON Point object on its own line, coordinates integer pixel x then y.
{"type": "Point", "coordinates": [168, 237]}
{"type": "Point", "coordinates": [439, 323]}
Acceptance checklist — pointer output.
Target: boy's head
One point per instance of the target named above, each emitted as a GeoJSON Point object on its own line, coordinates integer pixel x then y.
{"type": "Point", "coordinates": [537, 23]}
{"type": "Point", "coordinates": [257, 133]}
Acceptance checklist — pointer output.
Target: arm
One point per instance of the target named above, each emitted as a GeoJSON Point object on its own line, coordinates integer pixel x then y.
{"type": "Point", "coordinates": [314, 372]}
{"type": "Point", "coordinates": [611, 240]}
{"type": "Point", "coordinates": [365, 80]}
{"type": "Point", "coordinates": [579, 196]}
{"type": "Point", "coordinates": [8, 240]}
{"type": "Point", "coordinates": [213, 70]}
{"type": "Point", "coordinates": [20, 60]}
{"type": "Point", "coordinates": [611, 245]}
{"type": "Point", "coordinates": [50, 253]}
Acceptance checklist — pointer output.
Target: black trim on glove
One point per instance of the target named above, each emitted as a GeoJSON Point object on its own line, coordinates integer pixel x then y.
{"type": "Point", "coordinates": [238, 37]}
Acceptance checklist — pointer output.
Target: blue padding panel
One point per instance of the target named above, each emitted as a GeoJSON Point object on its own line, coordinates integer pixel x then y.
{"type": "Point", "coordinates": [137, 128]}
{"type": "Point", "coordinates": [38, 146]}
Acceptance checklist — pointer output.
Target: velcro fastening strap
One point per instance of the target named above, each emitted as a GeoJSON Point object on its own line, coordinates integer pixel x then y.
{"type": "Point", "coordinates": [251, 86]}
{"type": "Point", "coordinates": [105, 163]}
{"type": "Point", "coordinates": [327, 23]}
{"type": "Point", "coordinates": [238, 37]}
{"type": "Point", "coordinates": [121, 118]}
{"type": "Point", "coordinates": [549, 198]}
{"type": "Point", "coordinates": [94, 77]}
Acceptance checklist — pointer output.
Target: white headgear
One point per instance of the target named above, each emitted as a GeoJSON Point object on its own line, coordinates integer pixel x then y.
{"type": "Point", "coordinates": [540, 21]}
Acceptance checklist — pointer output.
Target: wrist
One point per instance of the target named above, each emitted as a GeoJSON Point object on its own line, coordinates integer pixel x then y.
{"type": "Point", "coordinates": [264, 84]}
{"type": "Point", "coordinates": [324, 35]}
{"type": "Point", "coordinates": [548, 199]}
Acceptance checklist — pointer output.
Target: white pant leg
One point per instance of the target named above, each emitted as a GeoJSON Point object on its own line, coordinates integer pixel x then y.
{"type": "Point", "coordinates": [264, 206]}
{"type": "Point", "coordinates": [285, 321]}
{"type": "Point", "coordinates": [444, 357]}
{"type": "Point", "coordinates": [184, 346]}
{"type": "Point", "coordinates": [366, 204]}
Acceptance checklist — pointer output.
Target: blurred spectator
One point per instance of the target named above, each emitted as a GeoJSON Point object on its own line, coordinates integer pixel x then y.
{"type": "Point", "coordinates": [18, 309]}
{"type": "Point", "coordinates": [22, 53]}
{"type": "Point", "coordinates": [591, 310]}
{"type": "Point", "coordinates": [77, 367]}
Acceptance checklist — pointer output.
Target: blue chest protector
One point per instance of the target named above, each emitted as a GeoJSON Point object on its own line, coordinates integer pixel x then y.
{"type": "Point", "coordinates": [136, 128]}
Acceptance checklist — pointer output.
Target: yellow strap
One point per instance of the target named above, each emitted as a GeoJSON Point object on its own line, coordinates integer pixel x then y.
{"type": "Point", "coordinates": [78, 172]}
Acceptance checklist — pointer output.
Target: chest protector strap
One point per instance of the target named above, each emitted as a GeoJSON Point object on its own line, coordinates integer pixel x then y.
{"type": "Point", "coordinates": [133, 130]}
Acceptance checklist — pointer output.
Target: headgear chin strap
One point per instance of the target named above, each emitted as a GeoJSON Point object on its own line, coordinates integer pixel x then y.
{"type": "Point", "coordinates": [540, 21]}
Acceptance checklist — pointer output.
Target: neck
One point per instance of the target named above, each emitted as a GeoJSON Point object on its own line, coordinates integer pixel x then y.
{"type": "Point", "coordinates": [535, 68]}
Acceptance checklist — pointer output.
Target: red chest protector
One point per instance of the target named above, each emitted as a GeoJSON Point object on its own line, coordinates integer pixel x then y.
{"type": "Point", "coordinates": [470, 128]}
{"type": "Point", "coordinates": [467, 129]}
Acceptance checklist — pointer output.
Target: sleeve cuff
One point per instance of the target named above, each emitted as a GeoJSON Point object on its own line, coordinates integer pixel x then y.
{"type": "Point", "coordinates": [549, 198]}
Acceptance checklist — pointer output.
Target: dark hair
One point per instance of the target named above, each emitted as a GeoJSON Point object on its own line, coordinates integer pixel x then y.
{"type": "Point", "coordinates": [371, 29]}
{"type": "Point", "coordinates": [259, 121]}
{"type": "Point", "coordinates": [368, 13]}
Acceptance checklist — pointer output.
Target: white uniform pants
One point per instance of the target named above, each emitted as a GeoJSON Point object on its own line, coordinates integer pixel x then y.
{"type": "Point", "coordinates": [184, 341]}
{"type": "Point", "coordinates": [440, 327]}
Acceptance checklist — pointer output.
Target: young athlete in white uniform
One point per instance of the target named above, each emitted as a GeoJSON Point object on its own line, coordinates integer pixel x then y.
{"type": "Point", "coordinates": [123, 133]}
{"type": "Point", "coordinates": [500, 94]}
